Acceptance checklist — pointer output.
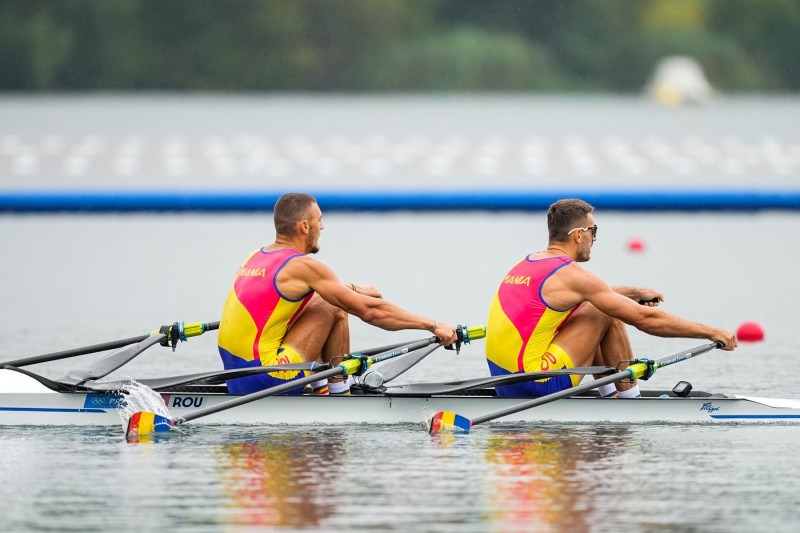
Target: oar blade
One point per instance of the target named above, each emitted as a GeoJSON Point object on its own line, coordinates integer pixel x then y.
{"type": "Point", "coordinates": [146, 423]}
{"type": "Point", "coordinates": [447, 421]}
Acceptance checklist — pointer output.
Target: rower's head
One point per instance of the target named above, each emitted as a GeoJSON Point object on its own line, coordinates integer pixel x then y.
{"type": "Point", "coordinates": [298, 219]}
{"type": "Point", "coordinates": [570, 223]}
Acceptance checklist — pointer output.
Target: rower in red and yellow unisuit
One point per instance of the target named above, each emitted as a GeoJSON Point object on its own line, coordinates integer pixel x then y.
{"type": "Point", "coordinates": [521, 327]}
{"type": "Point", "coordinates": [254, 322]}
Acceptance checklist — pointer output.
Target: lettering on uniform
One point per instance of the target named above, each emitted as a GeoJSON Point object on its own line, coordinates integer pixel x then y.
{"type": "Point", "coordinates": [517, 280]}
{"type": "Point", "coordinates": [250, 272]}
{"type": "Point", "coordinates": [187, 401]}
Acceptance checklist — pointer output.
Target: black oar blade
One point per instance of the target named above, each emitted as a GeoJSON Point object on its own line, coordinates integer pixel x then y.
{"type": "Point", "coordinates": [447, 421]}
{"type": "Point", "coordinates": [145, 423]}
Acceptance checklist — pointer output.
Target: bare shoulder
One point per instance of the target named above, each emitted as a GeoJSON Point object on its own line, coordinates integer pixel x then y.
{"type": "Point", "coordinates": [309, 270]}
{"type": "Point", "coordinates": [569, 286]}
{"type": "Point", "coordinates": [582, 281]}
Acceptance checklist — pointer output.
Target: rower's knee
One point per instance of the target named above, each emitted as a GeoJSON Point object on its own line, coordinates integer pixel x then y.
{"type": "Point", "coordinates": [590, 313]}
{"type": "Point", "coordinates": [319, 305]}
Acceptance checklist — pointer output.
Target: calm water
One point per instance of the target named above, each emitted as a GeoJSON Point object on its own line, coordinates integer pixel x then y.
{"type": "Point", "coordinates": [73, 281]}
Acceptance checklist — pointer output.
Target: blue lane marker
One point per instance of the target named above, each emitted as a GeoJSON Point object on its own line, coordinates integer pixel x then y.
{"type": "Point", "coordinates": [126, 200]}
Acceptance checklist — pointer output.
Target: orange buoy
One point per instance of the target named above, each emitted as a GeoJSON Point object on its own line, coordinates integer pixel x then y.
{"type": "Point", "coordinates": [750, 332]}
{"type": "Point", "coordinates": [635, 245]}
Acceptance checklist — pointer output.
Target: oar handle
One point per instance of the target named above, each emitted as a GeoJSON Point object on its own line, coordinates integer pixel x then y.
{"type": "Point", "coordinates": [198, 328]}
{"type": "Point", "coordinates": [651, 300]}
{"type": "Point", "coordinates": [464, 335]}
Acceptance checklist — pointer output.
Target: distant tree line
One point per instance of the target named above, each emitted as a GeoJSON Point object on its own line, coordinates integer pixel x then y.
{"type": "Point", "coordinates": [392, 45]}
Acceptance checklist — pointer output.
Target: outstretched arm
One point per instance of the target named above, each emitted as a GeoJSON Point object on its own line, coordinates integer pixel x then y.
{"type": "Point", "coordinates": [654, 321]}
{"type": "Point", "coordinates": [372, 310]}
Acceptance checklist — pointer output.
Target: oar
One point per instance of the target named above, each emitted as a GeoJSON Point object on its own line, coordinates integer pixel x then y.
{"type": "Point", "coordinates": [639, 369]}
{"type": "Point", "coordinates": [219, 376]}
{"type": "Point", "coordinates": [215, 377]}
{"type": "Point", "coordinates": [428, 389]}
{"type": "Point", "coordinates": [375, 378]}
{"type": "Point", "coordinates": [103, 367]}
{"type": "Point", "coordinates": [173, 333]}
{"type": "Point", "coordinates": [143, 423]}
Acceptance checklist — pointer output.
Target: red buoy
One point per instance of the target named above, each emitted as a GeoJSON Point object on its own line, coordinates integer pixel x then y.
{"type": "Point", "coordinates": [750, 332]}
{"type": "Point", "coordinates": [635, 245]}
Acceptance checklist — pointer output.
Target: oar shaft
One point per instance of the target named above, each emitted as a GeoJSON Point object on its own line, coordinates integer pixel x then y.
{"type": "Point", "coordinates": [75, 352]}
{"type": "Point", "coordinates": [189, 330]}
{"type": "Point", "coordinates": [634, 371]}
{"type": "Point", "coordinates": [566, 393]}
{"type": "Point", "coordinates": [348, 366]}
{"type": "Point", "coordinates": [404, 350]}
{"type": "Point", "coordinates": [278, 389]}
{"type": "Point", "coordinates": [688, 354]}
{"type": "Point", "coordinates": [379, 349]}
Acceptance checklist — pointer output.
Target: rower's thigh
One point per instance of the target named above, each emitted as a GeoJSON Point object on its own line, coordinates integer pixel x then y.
{"type": "Point", "coordinates": [312, 327]}
{"type": "Point", "coordinates": [581, 334]}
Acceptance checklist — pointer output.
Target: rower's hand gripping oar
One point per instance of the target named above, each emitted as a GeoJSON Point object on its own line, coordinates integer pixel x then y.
{"type": "Point", "coordinates": [172, 334]}
{"type": "Point", "coordinates": [638, 369]}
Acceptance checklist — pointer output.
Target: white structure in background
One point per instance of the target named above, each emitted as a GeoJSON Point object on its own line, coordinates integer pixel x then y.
{"type": "Point", "coordinates": [679, 80]}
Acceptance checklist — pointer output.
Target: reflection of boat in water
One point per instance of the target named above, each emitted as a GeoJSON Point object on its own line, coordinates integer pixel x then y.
{"type": "Point", "coordinates": [266, 479]}
{"type": "Point", "coordinates": [537, 475]}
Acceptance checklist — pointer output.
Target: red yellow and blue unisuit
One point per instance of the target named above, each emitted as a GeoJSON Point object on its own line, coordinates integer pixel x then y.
{"type": "Point", "coordinates": [521, 328]}
{"type": "Point", "coordinates": [255, 320]}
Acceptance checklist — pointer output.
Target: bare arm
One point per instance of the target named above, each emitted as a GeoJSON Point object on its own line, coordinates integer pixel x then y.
{"type": "Point", "coordinates": [579, 285]}
{"type": "Point", "coordinates": [307, 273]}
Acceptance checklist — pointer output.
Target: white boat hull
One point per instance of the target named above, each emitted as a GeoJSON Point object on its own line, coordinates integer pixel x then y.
{"type": "Point", "coordinates": [51, 408]}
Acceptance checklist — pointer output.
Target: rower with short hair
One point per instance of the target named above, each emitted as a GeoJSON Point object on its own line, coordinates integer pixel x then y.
{"type": "Point", "coordinates": [286, 307]}
{"type": "Point", "coordinates": [549, 313]}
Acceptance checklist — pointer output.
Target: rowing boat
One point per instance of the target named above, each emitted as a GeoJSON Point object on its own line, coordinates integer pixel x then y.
{"type": "Point", "coordinates": [26, 401]}
{"type": "Point", "coordinates": [82, 397]}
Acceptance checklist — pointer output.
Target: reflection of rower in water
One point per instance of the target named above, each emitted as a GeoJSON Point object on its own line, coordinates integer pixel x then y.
{"type": "Point", "coordinates": [273, 480]}
{"type": "Point", "coordinates": [540, 478]}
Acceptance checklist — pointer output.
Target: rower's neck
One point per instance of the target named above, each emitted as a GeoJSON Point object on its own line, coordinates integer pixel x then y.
{"type": "Point", "coordinates": [554, 251]}
{"type": "Point", "coordinates": [285, 244]}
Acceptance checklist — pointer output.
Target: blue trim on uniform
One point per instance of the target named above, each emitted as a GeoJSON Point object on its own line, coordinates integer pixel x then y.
{"type": "Point", "coordinates": [275, 277]}
{"type": "Point", "coordinates": [528, 389]}
{"type": "Point", "coordinates": [556, 269]}
{"type": "Point", "coordinates": [249, 384]}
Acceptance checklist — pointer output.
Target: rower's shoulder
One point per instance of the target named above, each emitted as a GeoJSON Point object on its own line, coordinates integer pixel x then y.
{"type": "Point", "coordinates": [305, 264]}
{"type": "Point", "coordinates": [574, 275]}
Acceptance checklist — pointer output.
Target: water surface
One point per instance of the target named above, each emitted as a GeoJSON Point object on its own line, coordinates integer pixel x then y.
{"type": "Point", "coordinates": [79, 280]}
